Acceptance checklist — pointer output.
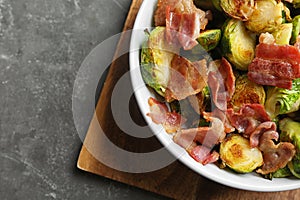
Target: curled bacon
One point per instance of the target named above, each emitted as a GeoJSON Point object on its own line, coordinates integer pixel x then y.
{"type": "Point", "coordinates": [248, 117]}
{"type": "Point", "coordinates": [221, 81]}
{"type": "Point", "coordinates": [276, 156]}
{"type": "Point", "coordinates": [260, 130]}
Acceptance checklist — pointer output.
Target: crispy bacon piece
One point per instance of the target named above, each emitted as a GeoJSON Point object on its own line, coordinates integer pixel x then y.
{"type": "Point", "coordinates": [248, 117]}
{"type": "Point", "coordinates": [275, 156]}
{"type": "Point", "coordinates": [171, 121]}
{"type": "Point", "coordinates": [222, 83]}
{"type": "Point", "coordinates": [186, 78]}
{"type": "Point", "coordinates": [220, 115]}
{"type": "Point", "coordinates": [178, 6]}
{"type": "Point", "coordinates": [267, 79]}
{"type": "Point", "coordinates": [207, 136]}
{"type": "Point", "coordinates": [182, 28]}
{"type": "Point", "coordinates": [183, 21]}
{"type": "Point", "coordinates": [259, 131]}
{"type": "Point", "coordinates": [204, 155]}
{"type": "Point", "coordinates": [275, 65]}
{"type": "Point", "coordinates": [287, 53]}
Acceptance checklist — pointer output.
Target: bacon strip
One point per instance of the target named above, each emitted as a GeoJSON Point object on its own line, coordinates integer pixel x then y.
{"type": "Point", "coordinates": [183, 21]}
{"type": "Point", "coordinates": [220, 115]}
{"type": "Point", "coordinates": [287, 53]}
{"type": "Point", "coordinates": [186, 78]}
{"type": "Point", "coordinates": [248, 117]}
{"type": "Point", "coordinates": [178, 6]}
{"type": "Point", "coordinates": [207, 136]}
{"type": "Point", "coordinates": [222, 83]}
{"type": "Point", "coordinates": [171, 121]}
{"type": "Point", "coordinates": [204, 155]}
{"type": "Point", "coordinates": [275, 65]}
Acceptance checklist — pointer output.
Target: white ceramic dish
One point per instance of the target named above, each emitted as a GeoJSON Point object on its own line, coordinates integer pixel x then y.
{"type": "Point", "coordinates": [250, 181]}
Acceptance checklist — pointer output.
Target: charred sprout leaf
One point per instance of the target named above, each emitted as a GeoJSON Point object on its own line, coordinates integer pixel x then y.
{"type": "Point", "coordinates": [238, 9]}
{"type": "Point", "coordinates": [209, 39]}
{"type": "Point", "coordinates": [286, 15]}
{"type": "Point", "coordinates": [294, 166]}
{"type": "Point", "coordinates": [266, 17]}
{"type": "Point", "coordinates": [217, 5]}
{"type": "Point", "coordinates": [296, 29]}
{"type": "Point", "coordinates": [290, 132]}
{"type": "Point", "coordinates": [237, 154]}
{"type": "Point", "coordinates": [280, 173]}
{"type": "Point", "coordinates": [296, 3]}
{"type": "Point", "coordinates": [156, 57]}
{"type": "Point", "coordinates": [204, 4]}
{"type": "Point", "coordinates": [247, 91]}
{"type": "Point", "coordinates": [238, 44]}
{"type": "Point", "coordinates": [283, 33]}
{"type": "Point", "coordinates": [283, 101]}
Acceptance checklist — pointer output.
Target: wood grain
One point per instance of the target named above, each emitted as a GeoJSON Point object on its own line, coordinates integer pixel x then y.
{"type": "Point", "coordinates": [175, 181]}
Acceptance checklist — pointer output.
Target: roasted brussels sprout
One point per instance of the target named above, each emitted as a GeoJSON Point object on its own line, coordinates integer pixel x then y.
{"type": "Point", "coordinates": [283, 33]}
{"type": "Point", "coordinates": [238, 44]}
{"type": "Point", "coordinates": [290, 132]}
{"type": "Point", "coordinates": [237, 154]}
{"type": "Point", "coordinates": [209, 39]}
{"type": "Point", "coordinates": [247, 91]}
{"type": "Point", "coordinates": [283, 101]}
{"type": "Point", "coordinates": [156, 56]}
{"type": "Point", "coordinates": [296, 29]}
{"type": "Point", "coordinates": [266, 17]}
{"type": "Point", "coordinates": [238, 9]}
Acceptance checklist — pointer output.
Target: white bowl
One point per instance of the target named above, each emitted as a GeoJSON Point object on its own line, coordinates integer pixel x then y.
{"type": "Point", "coordinates": [251, 181]}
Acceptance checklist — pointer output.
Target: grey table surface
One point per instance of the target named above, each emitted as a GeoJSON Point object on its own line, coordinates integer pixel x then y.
{"type": "Point", "coordinates": [42, 44]}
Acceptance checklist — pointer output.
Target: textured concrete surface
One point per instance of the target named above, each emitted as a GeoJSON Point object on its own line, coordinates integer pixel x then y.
{"type": "Point", "coordinates": [42, 44]}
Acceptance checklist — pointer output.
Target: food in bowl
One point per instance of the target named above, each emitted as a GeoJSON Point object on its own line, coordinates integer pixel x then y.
{"type": "Point", "coordinates": [227, 87]}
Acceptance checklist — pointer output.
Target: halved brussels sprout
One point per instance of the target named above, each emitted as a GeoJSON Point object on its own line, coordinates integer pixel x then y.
{"type": "Point", "coordinates": [156, 57]}
{"type": "Point", "coordinates": [283, 101]}
{"type": "Point", "coordinates": [296, 29]}
{"type": "Point", "coordinates": [237, 154]}
{"type": "Point", "coordinates": [209, 39]}
{"type": "Point", "coordinates": [266, 17]}
{"type": "Point", "coordinates": [283, 33]}
{"type": "Point", "coordinates": [247, 91]}
{"type": "Point", "coordinates": [238, 9]}
{"type": "Point", "coordinates": [238, 44]}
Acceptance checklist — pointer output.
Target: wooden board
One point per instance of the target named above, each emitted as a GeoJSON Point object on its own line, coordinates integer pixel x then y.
{"type": "Point", "coordinates": [175, 180]}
